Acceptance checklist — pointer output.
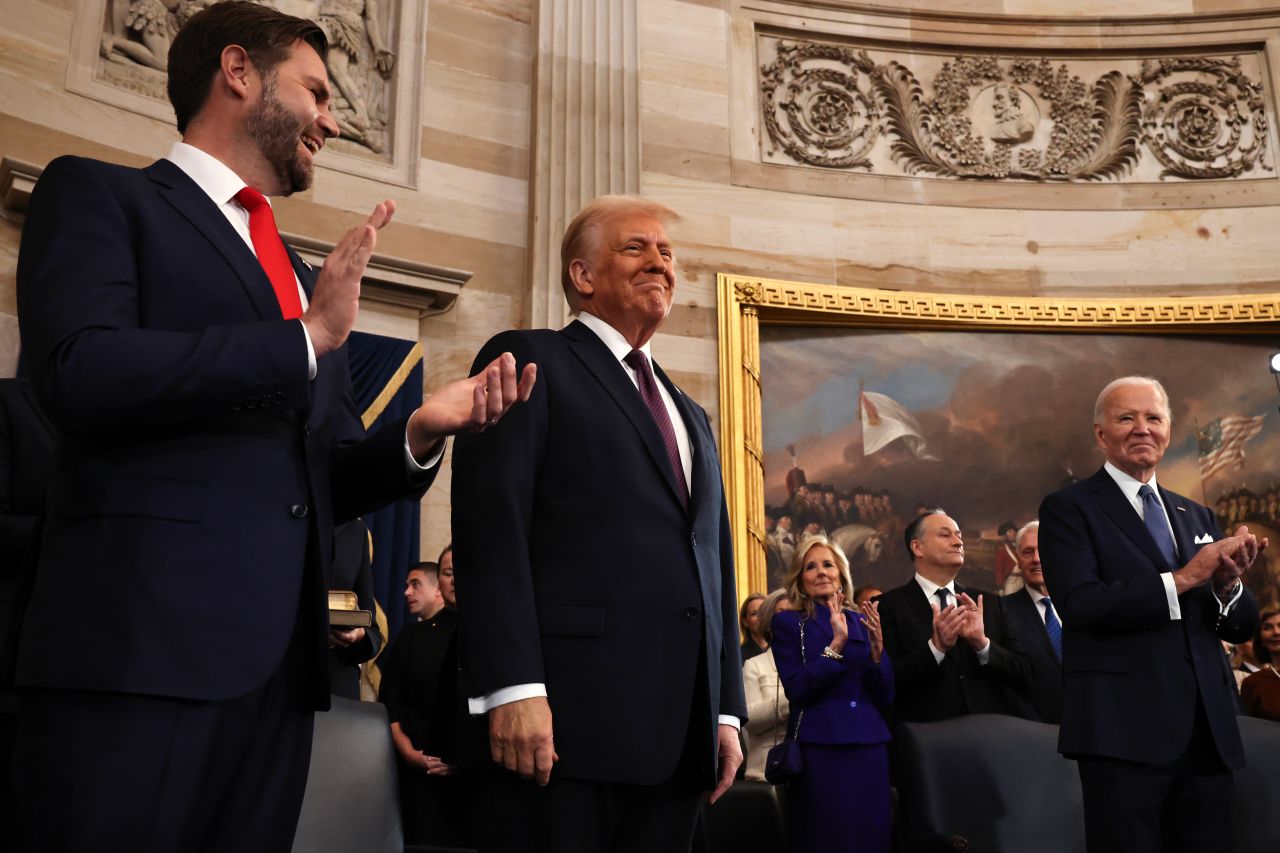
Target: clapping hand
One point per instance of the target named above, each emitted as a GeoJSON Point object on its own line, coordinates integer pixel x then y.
{"type": "Point", "coordinates": [470, 405]}
{"type": "Point", "coordinates": [839, 623]}
{"type": "Point", "coordinates": [973, 628]}
{"type": "Point", "coordinates": [946, 626]}
{"type": "Point", "coordinates": [871, 620]}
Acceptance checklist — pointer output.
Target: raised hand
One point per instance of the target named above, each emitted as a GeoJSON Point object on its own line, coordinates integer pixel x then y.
{"type": "Point", "coordinates": [839, 622]}
{"type": "Point", "coordinates": [336, 299]}
{"type": "Point", "coordinates": [946, 626]}
{"type": "Point", "coordinates": [470, 405]}
{"type": "Point", "coordinates": [871, 620]}
{"type": "Point", "coordinates": [973, 629]}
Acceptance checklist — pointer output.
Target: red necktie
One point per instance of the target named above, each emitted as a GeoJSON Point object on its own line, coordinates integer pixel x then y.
{"type": "Point", "coordinates": [637, 361]}
{"type": "Point", "coordinates": [270, 251]}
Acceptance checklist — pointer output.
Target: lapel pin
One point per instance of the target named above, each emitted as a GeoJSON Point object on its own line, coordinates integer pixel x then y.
{"type": "Point", "coordinates": [1181, 508]}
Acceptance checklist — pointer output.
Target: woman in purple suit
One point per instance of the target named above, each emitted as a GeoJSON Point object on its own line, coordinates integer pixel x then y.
{"type": "Point", "coordinates": [839, 685]}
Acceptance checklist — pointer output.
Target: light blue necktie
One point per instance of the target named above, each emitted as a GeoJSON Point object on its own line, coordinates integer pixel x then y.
{"type": "Point", "coordinates": [1053, 626]}
{"type": "Point", "coordinates": [1153, 517]}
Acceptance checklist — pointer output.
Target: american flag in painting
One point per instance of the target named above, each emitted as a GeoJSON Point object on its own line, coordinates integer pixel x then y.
{"type": "Point", "coordinates": [1222, 442]}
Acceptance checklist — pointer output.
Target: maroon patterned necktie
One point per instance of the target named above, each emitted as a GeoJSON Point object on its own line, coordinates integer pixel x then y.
{"type": "Point", "coordinates": [637, 361]}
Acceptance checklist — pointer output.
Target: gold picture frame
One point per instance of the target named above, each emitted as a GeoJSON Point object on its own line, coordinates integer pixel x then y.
{"type": "Point", "coordinates": [744, 303]}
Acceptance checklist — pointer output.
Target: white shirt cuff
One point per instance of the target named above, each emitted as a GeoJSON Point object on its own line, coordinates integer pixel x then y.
{"type": "Point", "coordinates": [937, 655]}
{"type": "Point", "coordinates": [1171, 593]}
{"type": "Point", "coordinates": [729, 720]}
{"type": "Point", "coordinates": [478, 705]}
{"type": "Point", "coordinates": [311, 352]}
{"type": "Point", "coordinates": [984, 656]}
{"type": "Point", "coordinates": [413, 466]}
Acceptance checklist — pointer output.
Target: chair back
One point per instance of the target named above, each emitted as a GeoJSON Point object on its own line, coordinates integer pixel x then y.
{"type": "Point", "coordinates": [1255, 813]}
{"type": "Point", "coordinates": [994, 780]}
{"type": "Point", "coordinates": [353, 798]}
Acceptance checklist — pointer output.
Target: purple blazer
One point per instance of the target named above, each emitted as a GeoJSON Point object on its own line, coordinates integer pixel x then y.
{"type": "Point", "coordinates": [844, 701]}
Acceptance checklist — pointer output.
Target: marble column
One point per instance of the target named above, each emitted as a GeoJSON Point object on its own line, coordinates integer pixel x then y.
{"type": "Point", "coordinates": [586, 130]}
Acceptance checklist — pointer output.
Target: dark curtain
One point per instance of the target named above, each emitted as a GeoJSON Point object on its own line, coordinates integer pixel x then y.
{"type": "Point", "coordinates": [386, 376]}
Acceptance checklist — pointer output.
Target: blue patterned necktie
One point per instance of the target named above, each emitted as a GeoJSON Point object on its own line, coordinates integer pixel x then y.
{"type": "Point", "coordinates": [1053, 626]}
{"type": "Point", "coordinates": [1153, 517]}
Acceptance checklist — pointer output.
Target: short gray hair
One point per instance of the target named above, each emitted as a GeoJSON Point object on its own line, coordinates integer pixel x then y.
{"type": "Point", "coordinates": [1100, 403]}
{"type": "Point", "coordinates": [1029, 527]}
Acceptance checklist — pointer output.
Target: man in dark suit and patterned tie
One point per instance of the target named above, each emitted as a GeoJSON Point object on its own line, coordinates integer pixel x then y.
{"type": "Point", "coordinates": [208, 442]}
{"type": "Point", "coordinates": [1147, 587]}
{"type": "Point", "coordinates": [596, 576]}
{"type": "Point", "coordinates": [953, 650]}
{"type": "Point", "coordinates": [1038, 625]}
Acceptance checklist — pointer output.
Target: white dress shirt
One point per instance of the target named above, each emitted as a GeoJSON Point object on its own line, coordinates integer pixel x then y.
{"type": "Point", "coordinates": [931, 595]}
{"type": "Point", "coordinates": [1036, 598]}
{"type": "Point", "coordinates": [620, 348]}
{"type": "Point", "coordinates": [1130, 487]}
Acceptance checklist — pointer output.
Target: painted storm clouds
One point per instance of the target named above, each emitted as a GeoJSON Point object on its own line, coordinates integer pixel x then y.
{"type": "Point", "coordinates": [1003, 418]}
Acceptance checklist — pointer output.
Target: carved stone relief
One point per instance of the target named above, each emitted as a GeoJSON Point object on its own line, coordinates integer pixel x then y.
{"type": "Point", "coordinates": [1121, 119]}
{"type": "Point", "coordinates": [370, 81]}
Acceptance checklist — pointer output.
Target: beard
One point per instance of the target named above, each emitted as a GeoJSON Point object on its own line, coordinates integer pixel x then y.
{"type": "Point", "coordinates": [278, 135]}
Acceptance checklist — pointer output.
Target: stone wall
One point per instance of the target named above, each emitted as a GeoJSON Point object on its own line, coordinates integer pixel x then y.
{"type": "Point", "coordinates": [677, 115]}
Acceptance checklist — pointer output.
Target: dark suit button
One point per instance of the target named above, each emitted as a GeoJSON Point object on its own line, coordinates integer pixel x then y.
{"type": "Point", "coordinates": [298, 510]}
{"type": "Point", "coordinates": [853, 704]}
{"type": "Point", "coordinates": [306, 430]}
{"type": "Point", "coordinates": [692, 613]}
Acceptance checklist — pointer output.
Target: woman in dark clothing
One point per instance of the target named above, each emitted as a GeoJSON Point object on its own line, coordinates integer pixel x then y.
{"type": "Point", "coordinates": [1260, 692]}
{"type": "Point", "coordinates": [832, 665]}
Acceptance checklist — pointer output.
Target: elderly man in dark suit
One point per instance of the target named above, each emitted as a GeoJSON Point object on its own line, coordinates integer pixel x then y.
{"type": "Point", "coordinates": [953, 650]}
{"type": "Point", "coordinates": [596, 580]}
{"type": "Point", "coordinates": [1038, 625]}
{"type": "Point", "coordinates": [1147, 587]}
{"type": "Point", "coordinates": [197, 374]}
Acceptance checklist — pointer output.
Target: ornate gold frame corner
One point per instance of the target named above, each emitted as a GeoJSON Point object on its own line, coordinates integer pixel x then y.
{"type": "Point", "coordinates": [745, 302]}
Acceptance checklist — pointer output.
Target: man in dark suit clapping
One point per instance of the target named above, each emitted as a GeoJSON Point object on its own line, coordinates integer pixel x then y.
{"type": "Point", "coordinates": [196, 371]}
{"type": "Point", "coordinates": [953, 651]}
{"type": "Point", "coordinates": [1147, 587]}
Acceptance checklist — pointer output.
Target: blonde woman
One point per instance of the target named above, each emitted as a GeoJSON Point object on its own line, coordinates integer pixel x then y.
{"type": "Point", "coordinates": [832, 665]}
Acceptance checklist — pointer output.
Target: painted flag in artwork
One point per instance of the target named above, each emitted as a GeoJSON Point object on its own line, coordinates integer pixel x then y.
{"type": "Point", "coordinates": [885, 420]}
{"type": "Point", "coordinates": [1222, 442]}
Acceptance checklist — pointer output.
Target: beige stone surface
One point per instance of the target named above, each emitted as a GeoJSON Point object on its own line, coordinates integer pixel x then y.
{"type": "Point", "coordinates": [472, 208]}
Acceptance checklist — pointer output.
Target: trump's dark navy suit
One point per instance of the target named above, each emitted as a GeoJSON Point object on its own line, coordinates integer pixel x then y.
{"type": "Point", "coordinates": [579, 567]}
{"type": "Point", "coordinates": [1137, 683]}
{"type": "Point", "coordinates": [843, 733]}
{"type": "Point", "coordinates": [200, 471]}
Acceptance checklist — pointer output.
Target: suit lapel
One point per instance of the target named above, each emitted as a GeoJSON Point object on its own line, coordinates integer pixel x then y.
{"type": "Point", "coordinates": [592, 352]}
{"type": "Point", "coordinates": [1180, 513]}
{"type": "Point", "coordinates": [1028, 612]}
{"type": "Point", "coordinates": [192, 204]}
{"type": "Point", "coordinates": [1116, 507]}
{"type": "Point", "coordinates": [304, 271]}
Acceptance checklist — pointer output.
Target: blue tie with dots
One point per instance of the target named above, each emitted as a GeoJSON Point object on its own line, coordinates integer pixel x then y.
{"type": "Point", "coordinates": [1053, 626]}
{"type": "Point", "coordinates": [1153, 517]}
